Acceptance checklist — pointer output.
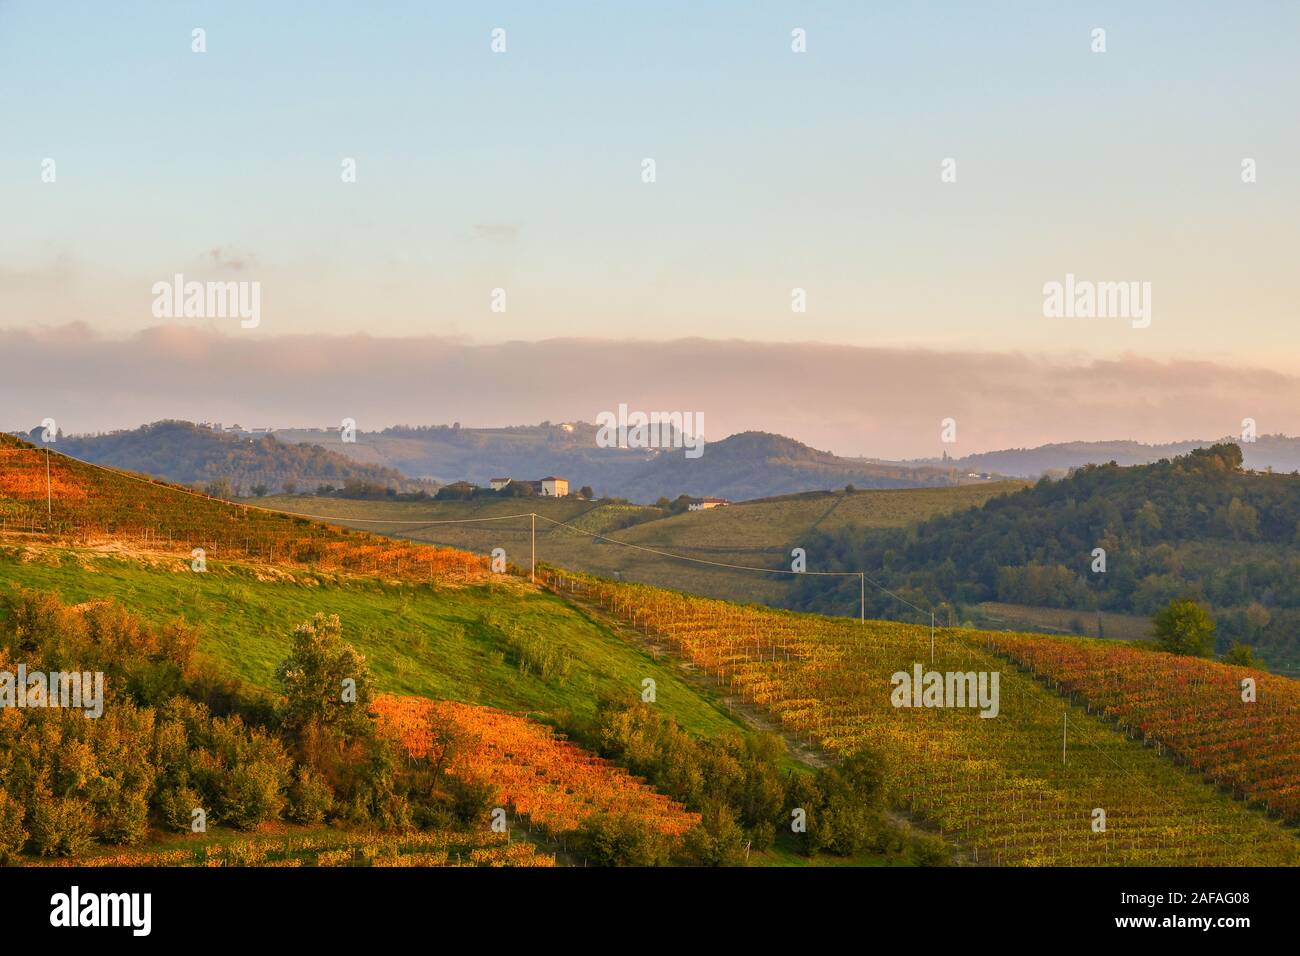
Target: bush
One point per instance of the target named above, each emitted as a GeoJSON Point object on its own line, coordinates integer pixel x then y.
{"type": "Point", "coordinates": [609, 839]}
{"type": "Point", "coordinates": [126, 820]}
{"type": "Point", "coordinates": [310, 796]}
{"type": "Point", "coordinates": [253, 786]}
{"type": "Point", "coordinates": [842, 806]}
{"type": "Point", "coordinates": [176, 805]}
{"type": "Point", "coordinates": [61, 826]}
{"type": "Point", "coordinates": [718, 840]}
{"type": "Point", "coordinates": [1242, 655]}
{"type": "Point", "coordinates": [928, 850]}
{"type": "Point", "coordinates": [12, 835]}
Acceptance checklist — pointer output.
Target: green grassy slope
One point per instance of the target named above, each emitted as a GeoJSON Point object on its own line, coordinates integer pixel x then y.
{"type": "Point", "coordinates": [445, 643]}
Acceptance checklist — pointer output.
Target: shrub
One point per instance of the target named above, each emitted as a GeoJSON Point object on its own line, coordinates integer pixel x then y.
{"type": "Point", "coordinates": [609, 839]}
{"type": "Point", "coordinates": [176, 805]}
{"type": "Point", "coordinates": [928, 850]}
{"type": "Point", "coordinates": [61, 826]}
{"type": "Point", "coordinates": [718, 839]}
{"type": "Point", "coordinates": [310, 796]}
{"type": "Point", "coordinates": [13, 837]}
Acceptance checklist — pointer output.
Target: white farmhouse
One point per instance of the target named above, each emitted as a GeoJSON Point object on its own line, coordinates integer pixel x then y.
{"type": "Point", "coordinates": [552, 487]}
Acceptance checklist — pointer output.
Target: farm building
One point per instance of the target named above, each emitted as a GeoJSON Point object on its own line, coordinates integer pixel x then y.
{"type": "Point", "coordinates": [548, 487]}
{"type": "Point", "coordinates": [552, 487]}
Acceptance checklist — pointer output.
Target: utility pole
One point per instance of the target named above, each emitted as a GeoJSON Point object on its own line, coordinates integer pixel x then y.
{"type": "Point", "coordinates": [862, 596]}
{"type": "Point", "coordinates": [532, 561]}
{"type": "Point", "coordinates": [49, 499]}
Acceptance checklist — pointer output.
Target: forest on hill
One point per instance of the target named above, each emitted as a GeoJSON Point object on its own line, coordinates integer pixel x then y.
{"type": "Point", "coordinates": [231, 464]}
{"type": "Point", "coordinates": [1107, 537]}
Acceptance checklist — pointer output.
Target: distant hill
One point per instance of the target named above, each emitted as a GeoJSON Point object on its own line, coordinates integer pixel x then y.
{"type": "Point", "coordinates": [761, 465]}
{"type": "Point", "coordinates": [1278, 452]}
{"type": "Point", "coordinates": [747, 465]}
{"type": "Point", "coordinates": [1195, 526]}
{"type": "Point", "coordinates": [194, 455]}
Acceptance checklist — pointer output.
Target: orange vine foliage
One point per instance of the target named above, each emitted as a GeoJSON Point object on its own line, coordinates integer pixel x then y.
{"type": "Point", "coordinates": [553, 782]}
{"type": "Point", "coordinates": [22, 475]}
{"type": "Point", "coordinates": [92, 504]}
{"type": "Point", "coordinates": [1196, 708]}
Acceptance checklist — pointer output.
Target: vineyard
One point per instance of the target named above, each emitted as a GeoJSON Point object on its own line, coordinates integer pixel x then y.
{"type": "Point", "coordinates": [1021, 788]}
{"type": "Point", "coordinates": [89, 505]}
{"type": "Point", "coordinates": [1191, 707]}
{"type": "Point", "coordinates": [555, 784]}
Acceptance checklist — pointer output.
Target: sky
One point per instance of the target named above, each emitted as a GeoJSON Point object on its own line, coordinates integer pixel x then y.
{"type": "Point", "coordinates": [523, 171]}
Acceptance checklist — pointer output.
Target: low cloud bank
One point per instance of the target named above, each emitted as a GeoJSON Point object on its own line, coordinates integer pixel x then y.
{"type": "Point", "coordinates": [879, 402]}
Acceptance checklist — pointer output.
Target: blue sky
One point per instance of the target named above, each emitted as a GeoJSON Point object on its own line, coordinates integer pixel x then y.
{"type": "Point", "coordinates": [775, 170]}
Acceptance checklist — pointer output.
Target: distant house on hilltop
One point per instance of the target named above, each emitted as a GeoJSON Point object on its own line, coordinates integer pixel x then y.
{"type": "Point", "coordinates": [552, 487]}
{"type": "Point", "coordinates": [548, 487]}
{"type": "Point", "coordinates": [704, 504]}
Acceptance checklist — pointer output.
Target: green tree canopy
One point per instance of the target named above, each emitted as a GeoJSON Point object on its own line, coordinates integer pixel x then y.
{"type": "Point", "coordinates": [1183, 627]}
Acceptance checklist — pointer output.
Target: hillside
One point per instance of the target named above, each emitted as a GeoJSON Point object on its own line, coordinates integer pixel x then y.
{"type": "Point", "coordinates": [1024, 787]}
{"type": "Point", "coordinates": [231, 464]}
{"type": "Point", "coordinates": [1276, 452]}
{"type": "Point", "coordinates": [428, 623]}
{"type": "Point", "coordinates": [463, 666]}
{"type": "Point", "coordinates": [747, 465]}
{"type": "Point", "coordinates": [1197, 526]}
{"type": "Point", "coordinates": [753, 533]}
{"type": "Point", "coordinates": [759, 465]}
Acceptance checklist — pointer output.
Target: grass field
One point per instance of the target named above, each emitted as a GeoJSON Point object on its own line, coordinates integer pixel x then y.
{"type": "Point", "coordinates": [419, 640]}
{"type": "Point", "coordinates": [755, 533]}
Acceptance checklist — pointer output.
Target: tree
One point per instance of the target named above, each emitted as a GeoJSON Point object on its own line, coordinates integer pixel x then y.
{"type": "Point", "coordinates": [586, 492]}
{"type": "Point", "coordinates": [1243, 520]}
{"type": "Point", "coordinates": [1183, 627]}
{"type": "Point", "coordinates": [259, 490]}
{"type": "Point", "coordinates": [290, 487]}
{"type": "Point", "coordinates": [718, 840]}
{"type": "Point", "coordinates": [325, 681]}
{"type": "Point", "coordinates": [218, 488]}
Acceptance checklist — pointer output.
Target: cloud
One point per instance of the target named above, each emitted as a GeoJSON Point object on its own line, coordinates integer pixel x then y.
{"type": "Point", "coordinates": [229, 259]}
{"type": "Point", "coordinates": [881, 402]}
{"type": "Point", "coordinates": [503, 232]}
